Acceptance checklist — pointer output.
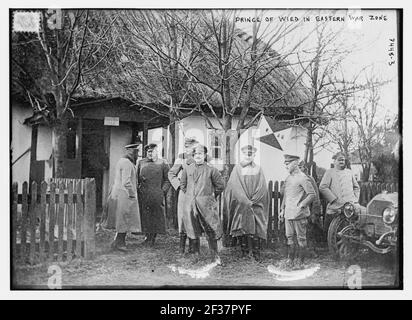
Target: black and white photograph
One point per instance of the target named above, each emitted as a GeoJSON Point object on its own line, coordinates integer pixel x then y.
{"type": "Point", "coordinates": [206, 148]}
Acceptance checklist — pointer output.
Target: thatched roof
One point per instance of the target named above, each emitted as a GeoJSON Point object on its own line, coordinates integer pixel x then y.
{"type": "Point", "coordinates": [115, 78]}
{"type": "Point", "coordinates": [120, 81]}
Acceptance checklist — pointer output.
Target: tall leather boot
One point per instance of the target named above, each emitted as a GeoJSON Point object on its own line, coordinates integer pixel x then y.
{"type": "Point", "coordinates": [191, 246]}
{"type": "Point", "coordinates": [301, 257]}
{"type": "Point", "coordinates": [212, 248]}
{"type": "Point", "coordinates": [147, 238]}
{"type": "Point", "coordinates": [290, 255]}
{"type": "Point", "coordinates": [119, 242]}
{"type": "Point", "coordinates": [249, 239]}
{"type": "Point", "coordinates": [256, 248]}
{"type": "Point", "coordinates": [182, 244]}
{"type": "Point", "coordinates": [152, 239]}
{"type": "Point", "coordinates": [243, 246]}
{"type": "Point", "coordinates": [196, 246]}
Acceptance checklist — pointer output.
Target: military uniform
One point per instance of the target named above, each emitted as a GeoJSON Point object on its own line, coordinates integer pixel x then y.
{"type": "Point", "coordinates": [201, 184]}
{"type": "Point", "coordinates": [298, 195]}
{"type": "Point", "coordinates": [153, 185]}
{"type": "Point", "coordinates": [122, 208]}
{"type": "Point", "coordinates": [174, 175]}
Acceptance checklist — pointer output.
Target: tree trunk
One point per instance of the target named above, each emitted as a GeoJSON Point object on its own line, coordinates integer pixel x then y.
{"type": "Point", "coordinates": [172, 194]}
{"type": "Point", "coordinates": [59, 133]}
{"type": "Point", "coordinates": [172, 130]}
{"type": "Point", "coordinates": [227, 152]}
{"type": "Point", "coordinates": [365, 173]}
{"type": "Point", "coordinates": [308, 157]}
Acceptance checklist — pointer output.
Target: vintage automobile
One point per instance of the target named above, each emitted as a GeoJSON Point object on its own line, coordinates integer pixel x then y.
{"type": "Point", "coordinates": [375, 227]}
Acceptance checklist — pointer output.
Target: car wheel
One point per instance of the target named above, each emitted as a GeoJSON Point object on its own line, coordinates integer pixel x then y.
{"type": "Point", "coordinates": [341, 247]}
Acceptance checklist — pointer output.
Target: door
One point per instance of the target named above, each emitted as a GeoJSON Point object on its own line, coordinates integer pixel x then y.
{"type": "Point", "coordinates": [94, 158]}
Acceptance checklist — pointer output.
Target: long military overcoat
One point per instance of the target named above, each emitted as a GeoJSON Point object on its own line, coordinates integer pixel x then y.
{"type": "Point", "coordinates": [201, 185]}
{"type": "Point", "coordinates": [153, 185]}
{"type": "Point", "coordinates": [122, 203]}
{"type": "Point", "coordinates": [174, 175]}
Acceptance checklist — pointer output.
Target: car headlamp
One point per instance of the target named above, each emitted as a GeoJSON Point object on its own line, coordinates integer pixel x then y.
{"type": "Point", "coordinates": [348, 210]}
{"type": "Point", "coordinates": [389, 215]}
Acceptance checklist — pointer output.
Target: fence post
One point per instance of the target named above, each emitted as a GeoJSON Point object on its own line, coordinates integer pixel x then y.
{"type": "Point", "coordinates": [43, 191]}
{"type": "Point", "coordinates": [52, 221]}
{"type": "Point", "coordinates": [270, 216]}
{"type": "Point", "coordinates": [69, 224]}
{"type": "Point", "coordinates": [14, 220]}
{"type": "Point", "coordinates": [276, 210]}
{"type": "Point", "coordinates": [24, 215]}
{"type": "Point", "coordinates": [89, 218]}
{"type": "Point", "coordinates": [60, 220]}
{"type": "Point", "coordinates": [33, 216]}
{"type": "Point", "coordinates": [79, 219]}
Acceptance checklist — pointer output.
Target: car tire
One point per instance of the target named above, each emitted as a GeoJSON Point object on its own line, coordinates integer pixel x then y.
{"type": "Point", "coordinates": [339, 248]}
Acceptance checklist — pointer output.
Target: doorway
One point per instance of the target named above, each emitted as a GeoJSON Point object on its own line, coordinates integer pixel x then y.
{"type": "Point", "coordinates": [94, 157]}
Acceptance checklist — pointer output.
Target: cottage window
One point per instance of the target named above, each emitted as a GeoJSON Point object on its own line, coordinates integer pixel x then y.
{"type": "Point", "coordinates": [215, 145]}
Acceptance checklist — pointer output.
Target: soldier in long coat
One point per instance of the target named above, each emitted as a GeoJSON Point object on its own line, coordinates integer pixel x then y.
{"type": "Point", "coordinates": [247, 201]}
{"type": "Point", "coordinates": [153, 185]}
{"type": "Point", "coordinates": [122, 204]}
{"type": "Point", "coordinates": [175, 173]}
{"type": "Point", "coordinates": [201, 184]}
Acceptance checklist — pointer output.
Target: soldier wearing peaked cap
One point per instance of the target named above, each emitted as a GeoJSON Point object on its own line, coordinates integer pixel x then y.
{"type": "Point", "coordinates": [122, 204]}
{"type": "Point", "coordinates": [153, 186]}
{"type": "Point", "coordinates": [201, 185]}
{"type": "Point", "coordinates": [183, 160]}
{"type": "Point", "coordinates": [298, 195]}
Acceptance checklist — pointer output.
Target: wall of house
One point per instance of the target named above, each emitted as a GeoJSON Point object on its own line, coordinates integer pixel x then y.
{"type": "Point", "coordinates": [157, 135]}
{"type": "Point", "coordinates": [292, 141]}
{"type": "Point", "coordinates": [119, 137]}
{"type": "Point", "coordinates": [196, 126]}
{"type": "Point", "coordinates": [44, 150]}
{"type": "Point", "coordinates": [20, 142]}
{"type": "Point", "coordinates": [271, 159]}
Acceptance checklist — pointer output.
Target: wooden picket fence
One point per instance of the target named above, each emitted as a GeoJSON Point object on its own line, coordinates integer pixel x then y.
{"type": "Point", "coordinates": [367, 191]}
{"type": "Point", "coordinates": [53, 220]}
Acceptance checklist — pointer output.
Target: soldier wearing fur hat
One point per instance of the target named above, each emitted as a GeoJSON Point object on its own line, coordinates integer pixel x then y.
{"type": "Point", "coordinates": [153, 185]}
{"type": "Point", "coordinates": [174, 175]}
{"type": "Point", "coordinates": [298, 195]}
{"type": "Point", "coordinates": [339, 186]}
{"type": "Point", "coordinates": [122, 209]}
{"type": "Point", "coordinates": [201, 184]}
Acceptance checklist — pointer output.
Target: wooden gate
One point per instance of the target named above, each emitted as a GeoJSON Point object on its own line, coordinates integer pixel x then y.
{"type": "Point", "coordinates": [55, 221]}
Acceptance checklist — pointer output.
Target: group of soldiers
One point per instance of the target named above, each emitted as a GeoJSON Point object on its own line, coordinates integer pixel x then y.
{"type": "Point", "coordinates": [136, 202]}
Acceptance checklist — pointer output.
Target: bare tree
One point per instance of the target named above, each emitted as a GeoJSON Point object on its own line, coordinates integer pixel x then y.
{"type": "Point", "coordinates": [234, 73]}
{"type": "Point", "coordinates": [152, 50]}
{"type": "Point", "coordinates": [50, 66]}
{"type": "Point", "coordinates": [326, 89]}
{"type": "Point", "coordinates": [370, 128]}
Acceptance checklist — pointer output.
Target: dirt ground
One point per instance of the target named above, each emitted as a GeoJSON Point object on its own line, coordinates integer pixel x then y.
{"type": "Point", "coordinates": [152, 268]}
